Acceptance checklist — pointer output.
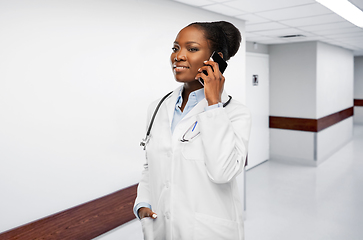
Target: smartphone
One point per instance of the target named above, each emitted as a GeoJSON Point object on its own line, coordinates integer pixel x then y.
{"type": "Point", "coordinates": [221, 63]}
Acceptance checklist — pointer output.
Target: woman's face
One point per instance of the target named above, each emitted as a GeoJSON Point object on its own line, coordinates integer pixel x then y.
{"type": "Point", "coordinates": [190, 50]}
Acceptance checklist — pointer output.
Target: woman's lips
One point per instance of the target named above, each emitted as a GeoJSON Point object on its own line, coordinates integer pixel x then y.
{"type": "Point", "coordinates": [180, 68]}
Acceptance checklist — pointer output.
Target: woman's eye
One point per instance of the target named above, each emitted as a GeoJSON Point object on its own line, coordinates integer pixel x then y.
{"type": "Point", "coordinates": [174, 49]}
{"type": "Point", "coordinates": [193, 49]}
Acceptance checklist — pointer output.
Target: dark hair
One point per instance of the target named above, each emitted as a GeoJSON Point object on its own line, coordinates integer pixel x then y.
{"type": "Point", "coordinates": [223, 36]}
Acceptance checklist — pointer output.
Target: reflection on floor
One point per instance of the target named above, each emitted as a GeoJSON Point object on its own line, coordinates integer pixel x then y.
{"type": "Point", "coordinates": [294, 202]}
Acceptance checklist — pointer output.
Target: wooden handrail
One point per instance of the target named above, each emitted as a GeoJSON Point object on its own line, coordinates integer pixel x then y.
{"type": "Point", "coordinates": [82, 222]}
{"type": "Point", "coordinates": [358, 102]}
{"type": "Point", "coordinates": [310, 125]}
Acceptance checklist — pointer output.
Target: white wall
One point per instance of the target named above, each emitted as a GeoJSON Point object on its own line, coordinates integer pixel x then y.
{"type": "Point", "coordinates": [358, 88]}
{"type": "Point", "coordinates": [76, 80]}
{"type": "Point", "coordinates": [334, 88]}
{"type": "Point", "coordinates": [293, 146]}
{"type": "Point", "coordinates": [293, 80]}
{"type": "Point", "coordinates": [331, 139]}
{"type": "Point", "coordinates": [309, 148]}
{"type": "Point", "coordinates": [358, 115]}
{"type": "Point", "coordinates": [315, 76]}
{"type": "Point", "coordinates": [252, 47]}
{"type": "Point", "coordinates": [358, 77]}
{"type": "Point", "coordinates": [293, 94]}
{"type": "Point", "coordinates": [334, 85]}
{"type": "Point", "coordinates": [309, 80]}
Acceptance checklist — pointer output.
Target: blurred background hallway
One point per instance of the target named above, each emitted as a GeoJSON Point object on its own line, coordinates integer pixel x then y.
{"type": "Point", "coordinates": [289, 201]}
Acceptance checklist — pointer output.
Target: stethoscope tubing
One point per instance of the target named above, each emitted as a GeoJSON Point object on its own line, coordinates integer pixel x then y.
{"type": "Point", "coordinates": [146, 139]}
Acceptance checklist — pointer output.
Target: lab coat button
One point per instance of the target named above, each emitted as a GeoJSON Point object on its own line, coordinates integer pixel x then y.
{"type": "Point", "coordinates": [167, 215]}
{"type": "Point", "coordinates": [167, 184]}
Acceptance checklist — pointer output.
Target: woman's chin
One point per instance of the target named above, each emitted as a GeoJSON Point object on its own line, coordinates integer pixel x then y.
{"type": "Point", "coordinates": [184, 80]}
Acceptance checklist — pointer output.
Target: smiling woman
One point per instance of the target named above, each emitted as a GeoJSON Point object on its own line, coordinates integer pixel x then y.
{"type": "Point", "coordinates": [197, 146]}
{"type": "Point", "coordinates": [67, 73]}
{"type": "Point", "coordinates": [189, 44]}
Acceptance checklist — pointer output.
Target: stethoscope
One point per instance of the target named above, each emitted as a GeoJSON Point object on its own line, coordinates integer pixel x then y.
{"type": "Point", "coordinates": [147, 137]}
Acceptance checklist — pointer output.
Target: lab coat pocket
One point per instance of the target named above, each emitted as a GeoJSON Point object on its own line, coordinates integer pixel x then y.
{"type": "Point", "coordinates": [147, 224]}
{"type": "Point", "coordinates": [209, 227]}
{"type": "Point", "coordinates": [193, 150]}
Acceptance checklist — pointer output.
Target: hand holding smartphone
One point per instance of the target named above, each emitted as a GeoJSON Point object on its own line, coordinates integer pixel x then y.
{"type": "Point", "coordinates": [221, 63]}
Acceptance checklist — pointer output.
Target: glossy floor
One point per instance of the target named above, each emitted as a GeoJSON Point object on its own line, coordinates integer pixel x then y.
{"type": "Point", "coordinates": [312, 203]}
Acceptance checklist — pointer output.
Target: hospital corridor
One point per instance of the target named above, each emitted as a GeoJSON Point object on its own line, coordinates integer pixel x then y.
{"type": "Point", "coordinates": [175, 119]}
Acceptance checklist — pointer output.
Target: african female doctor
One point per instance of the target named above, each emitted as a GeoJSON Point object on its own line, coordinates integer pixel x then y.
{"type": "Point", "coordinates": [197, 145]}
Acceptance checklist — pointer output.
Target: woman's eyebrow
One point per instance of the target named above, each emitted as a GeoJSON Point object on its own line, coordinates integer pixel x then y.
{"type": "Point", "coordinates": [189, 42]}
{"type": "Point", "coordinates": [193, 42]}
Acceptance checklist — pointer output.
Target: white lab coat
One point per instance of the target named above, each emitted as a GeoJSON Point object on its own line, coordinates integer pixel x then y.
{"type": "Point", "coordinates": [192, 185]}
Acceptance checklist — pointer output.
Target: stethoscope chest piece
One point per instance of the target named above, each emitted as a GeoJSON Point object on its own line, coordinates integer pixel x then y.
{"type": "Point", "coordinates": [144, 142]}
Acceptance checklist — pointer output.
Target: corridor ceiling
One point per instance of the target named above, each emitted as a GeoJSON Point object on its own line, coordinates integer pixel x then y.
{"type": "Point", "coordinates": [267, 21]}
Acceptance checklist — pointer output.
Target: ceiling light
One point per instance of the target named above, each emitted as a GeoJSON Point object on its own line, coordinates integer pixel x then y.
{"type": "Point", "coordinates": [345, 9]}
{"type": "Point", "coordinates": [293, 36]}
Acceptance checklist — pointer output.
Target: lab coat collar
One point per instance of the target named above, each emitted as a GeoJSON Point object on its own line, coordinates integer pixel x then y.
{"type": "Point", "coordinates": [203, 104]}
{"type": "Point", "coordinates": [171, 101]}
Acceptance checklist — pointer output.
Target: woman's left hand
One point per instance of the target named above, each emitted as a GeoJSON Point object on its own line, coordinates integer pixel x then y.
{"type": "Point", "coordinates": [213, 83]}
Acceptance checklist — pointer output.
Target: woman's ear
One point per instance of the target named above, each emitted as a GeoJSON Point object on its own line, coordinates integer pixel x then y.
{"type": "Point", "coordinates": [220, 54]}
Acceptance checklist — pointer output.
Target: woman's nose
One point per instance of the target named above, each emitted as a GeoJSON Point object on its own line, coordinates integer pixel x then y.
{"type": "Point", "coordinates": [180, 56]}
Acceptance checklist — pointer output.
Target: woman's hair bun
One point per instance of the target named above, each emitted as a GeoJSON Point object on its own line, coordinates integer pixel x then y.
{"type": "Point", "coordinates": [223, 36]}
{"type": "Point", "coordinates": [233, 37]}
